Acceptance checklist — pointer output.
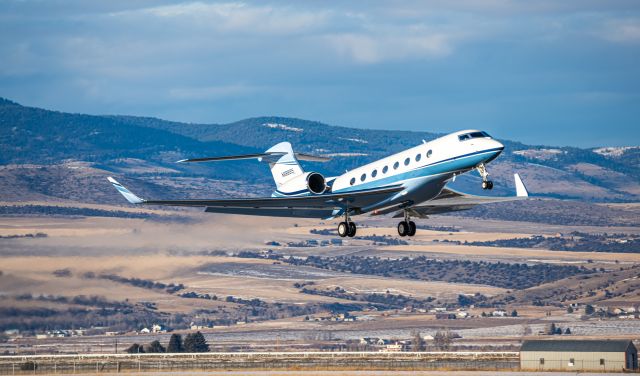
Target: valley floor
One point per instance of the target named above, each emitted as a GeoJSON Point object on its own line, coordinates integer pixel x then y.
{"type": "Point", "coordinates": [239, 281]}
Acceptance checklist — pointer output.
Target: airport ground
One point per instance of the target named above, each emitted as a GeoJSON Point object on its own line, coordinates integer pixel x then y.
{"type": "Point", "coordinates": [267, 304]}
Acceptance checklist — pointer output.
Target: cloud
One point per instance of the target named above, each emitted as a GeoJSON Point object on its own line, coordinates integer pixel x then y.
{"type": "Point", "coordinates": [212, 92]}
{"type": "Point", "coordinates": [621, 31]}
{"type": "Point", "coordinates": [370, 49]}
{"type": "Point", "coordinates": [236, 17]}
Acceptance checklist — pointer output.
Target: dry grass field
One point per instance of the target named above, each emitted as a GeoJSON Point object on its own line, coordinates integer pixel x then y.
{"type": "Point", "coordinates": [196, 253]}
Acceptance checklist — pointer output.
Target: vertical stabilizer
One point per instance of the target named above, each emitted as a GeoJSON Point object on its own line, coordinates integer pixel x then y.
{"type": "Point", "coordinates": [285, 167]}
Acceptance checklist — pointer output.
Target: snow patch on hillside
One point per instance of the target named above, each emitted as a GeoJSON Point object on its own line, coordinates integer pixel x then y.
{"type": "Point", "coordinates": [540, 154]}
{"type": "Point", "coordinates": [614, 152]}
{"type": "Point", "coordinates": [346, 155]}
{"type": "Point", "coordinates": [358, 140]}
{"type": "Point", "coordinates": [283, 127]}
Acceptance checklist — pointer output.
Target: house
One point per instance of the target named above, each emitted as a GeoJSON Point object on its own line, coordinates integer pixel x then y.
{"type": "Point", "coordinates": [156, 328]}
{"type": "Point", "coordinates": [579, 355]}
{"type": "Point", "coordinates": [368, 341]}
{"type": "Point", "coordinates": [499, 313]}
{"type": "Point", "coordinates": [395, 347]}
{"type": "Point", "coordinates": [144, 331]}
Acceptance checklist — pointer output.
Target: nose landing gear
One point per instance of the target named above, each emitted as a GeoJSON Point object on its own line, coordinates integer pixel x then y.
{"type": "Point", "coordinates": [407, 227]}
{"type": "Point", "coordinates": [486, 183]}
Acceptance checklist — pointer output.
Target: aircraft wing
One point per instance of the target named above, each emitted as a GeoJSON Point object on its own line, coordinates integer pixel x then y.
{"type": "Point", "coordinates": [450, 200]}
{"type": "Point", "coordinates": [315, 206]}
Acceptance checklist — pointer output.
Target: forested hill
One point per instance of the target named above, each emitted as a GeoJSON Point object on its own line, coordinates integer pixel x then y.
{"type": "Point", "coordinates": [138, 146]}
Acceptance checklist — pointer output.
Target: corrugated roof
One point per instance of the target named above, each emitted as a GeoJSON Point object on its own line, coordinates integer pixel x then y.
{"type": "Point", "coordinates": [576, 345]}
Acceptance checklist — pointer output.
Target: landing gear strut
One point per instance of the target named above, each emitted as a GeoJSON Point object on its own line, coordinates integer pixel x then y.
{"type": "Point", "coordinates": [347, 228]}
{"type": "Point", "coordinates": [407, 227]}
{"type": "Point", "coordinates": [486, 183]}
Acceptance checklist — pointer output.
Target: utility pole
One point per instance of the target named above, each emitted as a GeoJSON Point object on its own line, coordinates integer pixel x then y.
{"type": "Point", "coordinates": [116, 351]}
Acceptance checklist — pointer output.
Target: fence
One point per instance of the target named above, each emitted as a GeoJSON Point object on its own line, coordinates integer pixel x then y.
{"type": "Point", "coordinates": [115, 363]}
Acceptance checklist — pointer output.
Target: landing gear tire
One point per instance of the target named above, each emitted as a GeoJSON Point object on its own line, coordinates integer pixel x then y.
{"type": "Point", "coordinates": [343, 229]}
{"type": "Point", "coordinates": [487, 184]}
{"type": "Point", "coordinates": [352, 230]}
{"type": "Point", "coordinates": [412, 228]}
{"type": "Point", "coordinates": [403, 228]}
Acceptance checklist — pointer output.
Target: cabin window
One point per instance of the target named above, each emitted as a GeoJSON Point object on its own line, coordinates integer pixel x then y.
{"type": "Point", "coordinates": [385, 169]}
{"type": "Point", "coordinates": [541, 361]}
{"type": "Point", "coordinates": [374, 173]}
{"type": "Point", "coordinates": [429, 153]}
{"type": "Point", "coordinates": [396, 165]}
{"type": "Point", "coordinates": [363, 177]}
{"type": "Point", "coordinates": [406, 161]}
{"type": "Point", "coordinates": [353, 181]}
{"type": "Point", "coordinates": [601, 361]}
{"type": "Point", "coordinates": [418, 157]}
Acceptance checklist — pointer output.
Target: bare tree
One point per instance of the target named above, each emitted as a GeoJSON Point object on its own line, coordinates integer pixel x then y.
{"type": "Point", "coordinates": [417, 343]}
{"type": "Point", "coordinates": [442, 340]}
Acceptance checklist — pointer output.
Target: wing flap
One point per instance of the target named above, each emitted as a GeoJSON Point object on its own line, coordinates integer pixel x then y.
{"type": "Point", "coordinates": [331, 200]}
{"type": "Point", "coordinates": [274, 212]}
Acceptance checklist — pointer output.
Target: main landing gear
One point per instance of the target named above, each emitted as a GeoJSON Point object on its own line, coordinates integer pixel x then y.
{"type": "Point", "coordinates": [486, 183]}
{"type": "Point", "coordinates": [347, 228]}
{"type": "Point", "coordinates": [406, 227]}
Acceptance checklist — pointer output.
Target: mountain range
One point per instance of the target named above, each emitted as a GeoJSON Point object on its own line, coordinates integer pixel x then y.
{"type": "Point", "coordinates": [55, 155]}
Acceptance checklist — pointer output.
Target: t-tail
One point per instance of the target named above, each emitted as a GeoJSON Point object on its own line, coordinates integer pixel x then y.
{"type": "Point", "coordinates": [289, 176]}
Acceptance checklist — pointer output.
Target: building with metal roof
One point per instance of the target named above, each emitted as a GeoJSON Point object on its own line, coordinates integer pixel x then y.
{"type": "Point", "coordinates": [578, 355]}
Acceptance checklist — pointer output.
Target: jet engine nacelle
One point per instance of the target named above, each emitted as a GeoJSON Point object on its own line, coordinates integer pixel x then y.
{"type": "Point", "coordinates": [313, 182]}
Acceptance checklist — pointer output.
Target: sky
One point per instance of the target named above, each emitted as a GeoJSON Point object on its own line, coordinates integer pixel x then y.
{"type": "Point", "coordinates": [542, 72]}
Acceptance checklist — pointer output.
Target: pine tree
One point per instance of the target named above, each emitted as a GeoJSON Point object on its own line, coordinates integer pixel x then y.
{"type": "Point", "coordinates": [175, 344]}
{"type": "Point", "coordinates": [195, 342]}
{"type": "Point", "coordinates": [155, 347]}
{"type": "Point", "coordinates": [135, 349]}
{"type": "Point", "coordinates": [589, 310]}
{"type": "Point", "coordinates": [569, 309]}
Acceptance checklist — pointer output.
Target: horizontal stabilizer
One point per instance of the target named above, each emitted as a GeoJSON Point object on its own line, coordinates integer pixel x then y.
{"type": "Point", "coordinates": [125, 192]}
{"type": "Point", "coordinates": [263, 157]}
{"type": "Point", "coordinates": [232, 157]}
{"type": "Point", "coordinates": [311, 158]}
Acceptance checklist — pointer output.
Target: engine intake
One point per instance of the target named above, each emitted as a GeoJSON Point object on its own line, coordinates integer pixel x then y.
{"type": "Point", "coordinates": [316, 183]}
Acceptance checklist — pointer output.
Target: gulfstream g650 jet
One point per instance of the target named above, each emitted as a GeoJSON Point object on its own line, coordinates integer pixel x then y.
{"type": "Point", "coordinates": [410, 184]}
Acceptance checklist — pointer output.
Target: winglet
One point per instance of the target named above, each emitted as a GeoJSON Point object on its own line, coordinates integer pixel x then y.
{"type": "Point", "coordinates": [521, 190]}
{"type": "Point", "coordinates": [125, 192]}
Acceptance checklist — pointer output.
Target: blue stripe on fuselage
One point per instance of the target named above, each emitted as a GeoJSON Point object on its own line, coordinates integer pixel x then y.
{"type": "Point", "coordinates": [450, 165]}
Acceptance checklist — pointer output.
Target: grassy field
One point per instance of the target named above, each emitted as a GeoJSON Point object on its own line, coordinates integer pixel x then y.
{"type": "Point", "coordinates": [197, 253]}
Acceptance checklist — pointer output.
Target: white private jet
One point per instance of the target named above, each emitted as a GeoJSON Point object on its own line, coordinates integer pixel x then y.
{"type": "Point", "coordinates": [410, 183]}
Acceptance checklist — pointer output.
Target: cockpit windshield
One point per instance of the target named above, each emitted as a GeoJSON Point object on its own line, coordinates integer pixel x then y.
{"type": "Point", "coordinates": [468, 136]}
